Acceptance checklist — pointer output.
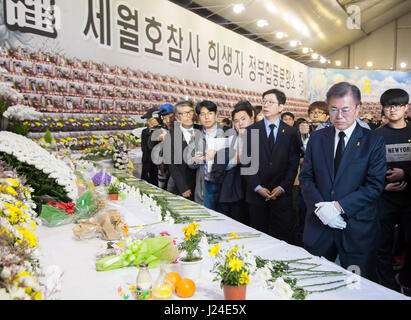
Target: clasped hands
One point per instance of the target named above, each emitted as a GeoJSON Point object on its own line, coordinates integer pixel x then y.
{"type": "Point", "coordinates": [328, 213]}
{"type": "Point", "coordinates": [394, 177]}
{"type": "Point", "coordinates": [270, 195]}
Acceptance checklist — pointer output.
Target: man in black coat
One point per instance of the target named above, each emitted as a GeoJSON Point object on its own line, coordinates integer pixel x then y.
{"type": "Point", "coordinates": [269, 190]}
{"type": "Point", "coordinates": [149, 171]}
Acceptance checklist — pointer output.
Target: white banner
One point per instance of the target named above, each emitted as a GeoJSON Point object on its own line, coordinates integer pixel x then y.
{"type": "Point", "coordinates": [156, 36]}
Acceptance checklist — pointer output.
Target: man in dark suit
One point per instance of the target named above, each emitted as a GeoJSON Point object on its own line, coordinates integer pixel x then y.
{"type": "Point", "coordinates": [175, 149]}
{"type": "Point", "coordinates": [149, 171]}
{"type": "Point", "coordinates": [269, 190]}
{"type": "Point", "coordinates": [341, 178]}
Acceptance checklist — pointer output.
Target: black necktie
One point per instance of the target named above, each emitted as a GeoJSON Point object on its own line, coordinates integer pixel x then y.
{"type": "Point", "coordinates": [271, 139]}
{"type": "Point", "coordinates": [339, 152]}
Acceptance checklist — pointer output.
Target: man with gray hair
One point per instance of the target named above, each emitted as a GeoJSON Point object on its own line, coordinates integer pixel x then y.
{"type": "Point", "coordinates": [342, 176]}
{"type": "Point", "coordinates": [175, 149]}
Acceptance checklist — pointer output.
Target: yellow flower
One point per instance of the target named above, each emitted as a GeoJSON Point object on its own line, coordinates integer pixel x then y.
{"type": "Point", "coordinates": [29, 237]}
{"type": "Point", "coordinates": [37, 296]}
{"type": "Point", "coordinates": [13, 214]}
{"type": "Point", "coordinates": [235, 264]}
{"type": "Point", "coordinates": [189, 231]}
{"type": "Point", "coordinates": [244, 279]}
{"type": "Point", "coordinates": [33, 225]}
{"type": "Point", "coordinates": [59, 124]}
{"type": "Point", "coordinates": [231, 252]}
{"type": "Point", "coordinates": [71, 120]}
{"type": "Point", "coordinates": [38, 123]}
{"type": "Point", "coordinates": [14, 182]}
{"type": "Point", "coordinates": [214, 250]}
{"type": "Point", "coordinates": [234, 235]}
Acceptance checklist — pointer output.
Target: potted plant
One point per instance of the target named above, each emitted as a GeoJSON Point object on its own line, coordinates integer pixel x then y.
{"type": "Point", "coordinates": [113, 191]}
{"type": "Point", "coordinates": [231, 271]}
{"type": "Point", "coordinates": [190, 264]}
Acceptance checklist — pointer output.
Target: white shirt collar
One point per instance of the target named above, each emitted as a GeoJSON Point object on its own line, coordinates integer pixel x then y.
{"type": "Point", "coordinates": [211, 133]}
{"type": "Point", "coordinates": [186, 132]}
{"type": "Point", "coordinates": [348, 132]}
{"type": "Point", "coordinates": [276, 122]}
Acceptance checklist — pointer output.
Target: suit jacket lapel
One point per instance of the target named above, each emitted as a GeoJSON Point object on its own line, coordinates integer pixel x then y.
{"type": "Point", "coordinates": [349, 151]}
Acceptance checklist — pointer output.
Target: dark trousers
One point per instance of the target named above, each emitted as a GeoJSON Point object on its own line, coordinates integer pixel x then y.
{"type": "Point", "coordinates": [274, 217]}
{"type": "Point", "coordinates": [329, 246]}
{"type": "Point", "coordinates": [149, 173]}
{"type": "Point", "coordinates": [390, 215]}
{"type": "Point", "coordinates": [236, 210]}
{"type": "Point", "coordinates": [299, 209]}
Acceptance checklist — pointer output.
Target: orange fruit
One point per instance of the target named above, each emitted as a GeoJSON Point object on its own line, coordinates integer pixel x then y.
{"type": "Point", "coordinates": [185, 288]}
{"type": "Point", "coordinates": [173, 278]}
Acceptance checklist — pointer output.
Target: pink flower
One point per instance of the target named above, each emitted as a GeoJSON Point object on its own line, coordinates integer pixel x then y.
{"type": "Point", "coordinates": [164, 233]}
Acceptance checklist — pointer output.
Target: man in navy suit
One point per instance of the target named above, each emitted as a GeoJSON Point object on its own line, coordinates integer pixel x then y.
{"type": "Point", "coordinates": [342, 176]}
{"type": "Point", "coordinates": [269, 190]}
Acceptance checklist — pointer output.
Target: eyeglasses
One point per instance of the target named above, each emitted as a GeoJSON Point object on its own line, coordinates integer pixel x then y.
{"type": "Point", "coordinates": [317, 113]}
{"type": "Point", "coordinates": [344, 111]}
{"type": "Point", "coordinates": [270, 102]}
{"type": "Point", "coordinates": [397, 107]}
{"type": "Point", "coordinates": [186, 113]}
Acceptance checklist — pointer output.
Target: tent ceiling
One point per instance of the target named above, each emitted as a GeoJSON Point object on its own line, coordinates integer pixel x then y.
{"type": "Point", "coordinates": [318, 24]}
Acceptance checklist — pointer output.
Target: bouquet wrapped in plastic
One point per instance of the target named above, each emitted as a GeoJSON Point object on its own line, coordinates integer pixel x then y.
{"type": "Point", "coordinates": [135, 251]}
{"type": "Point", "coordinates": [90, 202]}
{"type": "Point", "coordinates": [57, 214]}
{"type": "Point", "coordinates": [108, 224]}
{"type": "Point", "coordinates": [87, 205]}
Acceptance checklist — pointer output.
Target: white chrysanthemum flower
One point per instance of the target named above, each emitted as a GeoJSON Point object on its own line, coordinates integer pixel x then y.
{"type": "Point", "coordinates": [22, 112]}
{"type": "Point", "coordinates": [18, 293]}
{"type": "Point", "coordinates": [5, 273]}
{"type": "Point", "coordinates": [25, 150]}
{"type": "Point", "coordinates": [4, 295]}
{"type": "Point", "coordinates": [282, 289]}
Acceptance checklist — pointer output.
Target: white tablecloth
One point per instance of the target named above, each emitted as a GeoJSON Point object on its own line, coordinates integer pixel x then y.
{"type": "Point", "coordinates": [81, 281]}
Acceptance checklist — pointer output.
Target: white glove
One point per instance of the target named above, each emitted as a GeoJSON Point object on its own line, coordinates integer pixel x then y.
{"type": "Point", "coordinates": [337, 223]}
{"type": "Point", "coordinates": [329, 215]}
